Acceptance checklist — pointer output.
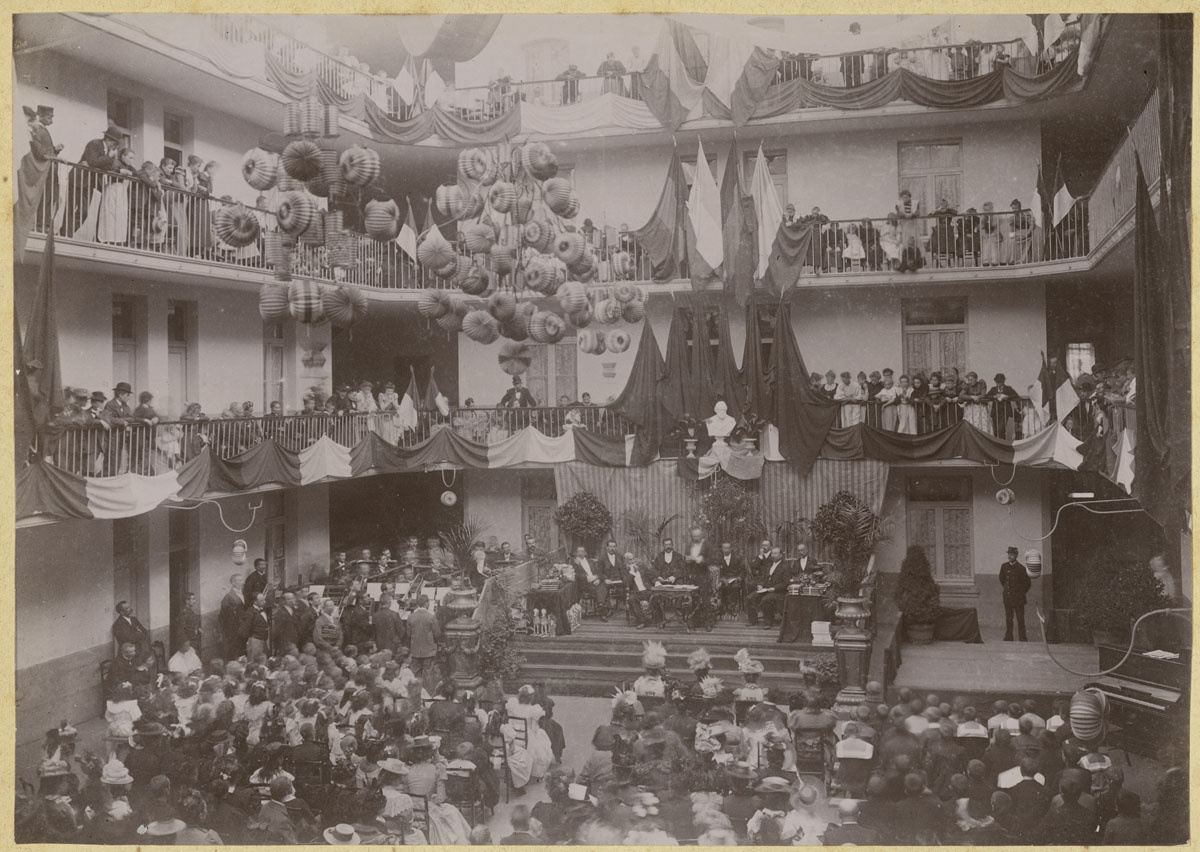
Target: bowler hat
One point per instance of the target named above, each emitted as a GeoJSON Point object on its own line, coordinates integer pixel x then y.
{"type": "Point", "coordinates": [1013, 550]}
{"type": "Point", "coordinates": [115, 132]}
{"type": "Point", "coordinates": [98, 396]}
{"type": "Point", "coordinates": [80, 393]}
{"type": "Point", "coordinates": [45, 111]}
{"type": "Point", "coordinates": [122, 387]}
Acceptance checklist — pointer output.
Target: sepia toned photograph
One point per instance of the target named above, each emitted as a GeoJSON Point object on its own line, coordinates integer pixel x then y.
{"type": "Point", "coordinates": [602, 429]}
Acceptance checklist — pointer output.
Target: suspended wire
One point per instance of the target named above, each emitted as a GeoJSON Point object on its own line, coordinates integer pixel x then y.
{"type": "Point", "coordinates": [1084, 504]}
{"type": "Point", "coordinates": [1128, 651]}
{"type": "Point", "coordinates": [221, 512]}
{"type": "Point", "coordinates": [1011, 476]}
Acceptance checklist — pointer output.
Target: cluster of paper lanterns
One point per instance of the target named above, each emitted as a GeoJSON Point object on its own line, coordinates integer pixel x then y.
{"type": "Point", "coordinates": [1089, 715]}
{"type": "Point", "coordinates": [312, 303]}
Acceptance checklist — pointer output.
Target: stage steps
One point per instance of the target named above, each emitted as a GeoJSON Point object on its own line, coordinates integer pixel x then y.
{"type": "Point", "coordinates": [599, 656]}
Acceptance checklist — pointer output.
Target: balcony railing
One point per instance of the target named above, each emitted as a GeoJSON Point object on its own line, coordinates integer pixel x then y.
{"type": "Point", "coordinates": [484, 103]}
{"type": "Point", "coordinates": [149, 449]}
{"type": "Point", "coordinates": [1112, 198]}
{"type": "Point", "coordinates": [947, 62]}
{"type": "Point", "coordinates": [1004, 419]}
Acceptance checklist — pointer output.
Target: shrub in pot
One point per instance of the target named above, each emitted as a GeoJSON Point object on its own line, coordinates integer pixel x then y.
{"type": "Point", "coordinates": [1114, 593]}
{"type": "Point", "coordinates": [585, 519]}
{"type": "Point", "coordinates": [917, 596]}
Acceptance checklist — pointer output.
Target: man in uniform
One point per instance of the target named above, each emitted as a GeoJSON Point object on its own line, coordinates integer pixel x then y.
{"type": "Point", "coordinates": [1015, 583]}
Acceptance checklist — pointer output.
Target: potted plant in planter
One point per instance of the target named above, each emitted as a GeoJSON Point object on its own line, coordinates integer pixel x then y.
{"type": "Point", "coordinates": [687, 427]}
{"type": "Point", "coordinates": [755, 426]}
{"type": "Point", "coordinates": [917, 596]}
{"type": "Point", "coordinates": [585, 520]}
{"type": "Point", "coordinates": [1113, 594]}
{"type": "Point", "coordinates": [847, 531]}
{"type": "Point", "coordinates": [729, 512]}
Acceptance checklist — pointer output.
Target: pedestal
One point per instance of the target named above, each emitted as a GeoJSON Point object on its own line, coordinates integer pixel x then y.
{"type": "Point", "coordinates": [462, 639]}
{"type": "Point", "coordinates": [690, 445]}
{"type": "Point", "coordinates": [853, 649]}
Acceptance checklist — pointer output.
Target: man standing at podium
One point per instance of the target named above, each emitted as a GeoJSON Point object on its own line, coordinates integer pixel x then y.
{"type": "Point", "coordinates": [1015, 582]}
{"type": "Point", "coordinates": [700, 555]}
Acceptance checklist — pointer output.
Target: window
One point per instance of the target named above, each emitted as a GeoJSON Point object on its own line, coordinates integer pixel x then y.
{"type": "Point", "coordinates": [935, 334]}
{"type": "Point", "coordinates": [176, 137]}
{"type": "Point", "coordinates": [126, 324]}
{"type": "Point", "coordinates": [932, 171]}
{"type": "Point", "coordinates": [179, 370]}
{"type": "Point", "coordinates": [1080, 358]}
{"type": "Point", "coordinates": [552, 372]}
{"type": "Point", "coordinates": [939, 522]}
{"type": "Point", "coordinates": [124, 112]}
{"type": "Point", "coordinates": [273, 353]}
{"type": "Point", "coordinates": [776, 168]}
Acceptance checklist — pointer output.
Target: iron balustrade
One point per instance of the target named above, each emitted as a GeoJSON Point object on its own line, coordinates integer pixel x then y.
{"type": "Point", "coordinates": [942, 62]}
{"type": "Point", "coordinates": [483, 103]}
{"type": "Point", "coordinates": [1113, 196]}
{"type": "Point", "coordinates": [1002, 418]}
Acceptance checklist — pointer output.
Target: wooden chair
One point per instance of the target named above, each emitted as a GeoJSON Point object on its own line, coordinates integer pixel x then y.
{"type": "Point", "coordinates": [105, 677]}
{"type": "Point", "coordinates": [464, 791]}
{"type": "Point", "coordinates": [312, 777]}
{"type": "Point", "coordinates": [420, 813]}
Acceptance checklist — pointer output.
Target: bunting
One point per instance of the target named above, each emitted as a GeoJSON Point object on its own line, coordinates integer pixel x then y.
{"type": "Point", "coordinates": [740, 228]}
{"type": "Point", "coordinates": [664, 237]}
{"type": "Point", "coordinates": [668, 89]}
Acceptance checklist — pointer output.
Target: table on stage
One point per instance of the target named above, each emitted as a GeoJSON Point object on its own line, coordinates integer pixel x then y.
{"type": "Point", "coordinates": [556, 602]}
{"type": "Point", "coordinates": [799, 612]}
{"type": "Point", "coordinates": [678, 602]}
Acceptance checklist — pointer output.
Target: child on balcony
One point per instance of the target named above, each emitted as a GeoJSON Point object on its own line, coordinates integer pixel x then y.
{"type": "Point", "coordinates": [887, 396]}
{"type": "Point", "coordinates": [911, 259]}
{"type": "Point", "coordinates": [890, 241]}
{"type": "Point", "coordinates": [906, 412]}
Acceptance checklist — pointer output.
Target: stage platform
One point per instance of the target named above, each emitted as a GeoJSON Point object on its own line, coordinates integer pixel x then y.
{"type": "Point", "coordinates": [600, 656]}
{"type": "Point", "coordinates": [995, 669]}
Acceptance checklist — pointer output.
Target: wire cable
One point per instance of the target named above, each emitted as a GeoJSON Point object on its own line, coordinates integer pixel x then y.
{"type": "Point", "coordinates": [1128, 652]}
{"type": "Point", "coordinates": [1084, 504]}
{"type": "Point", "coordinates": [221, 513]}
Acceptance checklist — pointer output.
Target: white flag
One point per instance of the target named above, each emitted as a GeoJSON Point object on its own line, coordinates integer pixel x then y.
{"type": "Point", "coordinates": [767, 210]}
{"type": "Point", "coordinates": [704, 210]}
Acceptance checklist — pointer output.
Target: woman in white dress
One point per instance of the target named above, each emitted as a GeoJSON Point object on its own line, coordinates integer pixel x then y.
{"type": "Point", "coordinates": [975, 410]}
{"type": "Point", "coordinates": [112, 225]}
{"type": "Point", "coordinates": [389, 406]}
{"type": "Point", "coordinates": [523, 706]}
{"type": "Point", "coordinates": [906, 412]}
{"type": "Point", "coordinates": [426, 779]}
{"type": "Point", "coordinates": [890, 241]}
{"type": "Point", "coordinates": [848, 392]}
{"type": "Point", "coordinates": [989, 236]}
{"type": "Point", "coordinates": [887, 404]}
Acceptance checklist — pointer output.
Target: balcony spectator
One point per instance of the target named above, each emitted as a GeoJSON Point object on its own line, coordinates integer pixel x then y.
{"type": "Point", "coordinates": [636, 65]}
{"type": "Point", "coordinates": [148, 225]}
{"type": "Point", "coordinates": [142, 444]}
{"type": "Point", "coordinates": [517, 396]}
{"type": "Point", "coordinates": [909, 213]}
{"type": "Point", "coordinates": [886, 396]}
{"type": "Point", "coordinates": [919, 397]}
{"type": "Point", "coordinates": [891, 241]}
{"type": "Point", "coordinates": [829, 387]}
{"type": "Point", "coordinates": [849, 391]}
{"type": "Point", "coordinates": [854, 251]}
{"type": "Point", "coordinates": [939, 406]}
{"type": "Point", "coordinates": [912, 258]}
{"type": "Point", "coordinates": [38, 160]}
{"type": "Point", "coordinates": [906, 413]}
{"type": "Point", "coordinates": [111, 221]}
{"type": "Point", "coordinates": [990, 237]}
{"type": "Point", "coordinates": [82, 185]}
{"type": "Point", "coordinates": [570, 78]}
{"type": "Point", "coordinates": [1004, 409]}
{"type": "Point", "coordinates": [868, 235]}
{"type": "Point", "coordinates": [611, 69]}
{"type": "Point", "coordinates": [968, 238]}
{"type": "Point", "coordinates": [1020, 234]}
{"type": "Point", "coordinates": [363, 399]}
{"type": "Point", "coordinates": [943, 243]}
{"type": "Point", "coordinates": [592, 235]}
{"type": "Point", "coordinates": [789, 216]}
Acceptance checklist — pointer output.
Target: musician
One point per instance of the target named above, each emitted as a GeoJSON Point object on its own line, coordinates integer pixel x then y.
{"type": "Point", "coordinates": [639, 579]}
{"type": "Point", "coordinates": [770, 586]}
{"type": "Point", "coordinates": [733, 575]}
{"type": "Point", "coordinates": [589, 579]}
{"type": "Point", "coordinates": [699, 557]}
{"type": "Point", "coordinates": [668, 565]}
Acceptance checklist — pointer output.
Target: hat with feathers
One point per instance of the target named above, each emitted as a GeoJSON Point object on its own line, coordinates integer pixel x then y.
{"type": "Point", "coordinates": [654, 655]}
{"type": "Point", "coordinates": [747, 665]}
{"type": "Point", "coordinates": [699, 660]}
{"type": "Point", "coordinates": [710, 686]}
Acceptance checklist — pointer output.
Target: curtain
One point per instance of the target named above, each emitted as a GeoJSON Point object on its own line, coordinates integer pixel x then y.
{"type": "Point", "coordinates": [790, 252]}
{"type": "Point", "coordinates": [656, 488]}
{"type": "Point", "coordinates": [640, 402]}
{"type": "Point", "coordinates": [608, 110]}
{"type": "Point", "coordinates": [663, 236]}
{"type": "Point", "coordinates": [760, 391]}
{"type": "Point", "coordinates": [726, 375]}
{"type": "Point", "coordinates": [263, 463]}
{"type": "Point", "coordinates": [803, 417]}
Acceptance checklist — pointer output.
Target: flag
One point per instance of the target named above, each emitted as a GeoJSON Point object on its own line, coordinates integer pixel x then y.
{"type": "Point", "coordinates": [1035, 206]}
{"type": "Point", "coordinates": [704, 213]}
{"type": "Point", "coordinates": [405, 85]}
{"type": "Point", "coordinates": [663, 236]}
{"type": "Point", "coordinates": [1054, 392]}
{"type": "Point", "coordinates": [1037, 393]}
{"type": "Point", "coordinates": [1062, 200]}
{"type": "Point", "coordinates": [43, 370]}
{"type": "Point", "coordinates": [407, 238]}
{"type": "Point", "coordinates": [739, 229]}
{"type": "Point", "coordinates": [407, 415]}
{"type": "Point", "coordinates": [768, 213]}
{"type": "Point", "coordinates": [428, 401]}
{"type": "Point", "coordinates": [434, 86]}
{"type": "Point", "coordinates": [668, 89]}
{"type": "Point", "coordinates": [739, 72]}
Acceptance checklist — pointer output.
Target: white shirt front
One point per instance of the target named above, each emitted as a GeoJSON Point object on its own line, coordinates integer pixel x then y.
{"type": "Point", "coordinates": [667, 556]}
{"type": "Point", "coordinates": [587, 569]}
{"type": "Point", "coordinates": [612, 559]}
{"type": "Point", "coordinates": [637, 579]}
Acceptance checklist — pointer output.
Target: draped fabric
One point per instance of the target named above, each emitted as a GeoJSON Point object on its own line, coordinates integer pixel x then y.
{"type": "Point", "coordinates": [259, 465]}
{"type": "Point", "coordinates": [657, 488]}
{"type": "Point", "coordinates": [445, 447]}
{"type": "Point", "coordinates": [324, 459]}
{"type": "Point", "coordinates": [42, 367]}
{"type": "Point", "coordinates": [663, 237]}
{"type": "Point", "coordinates": [129, 494]}
{"type": "Point", "coordinates": [740, 227]}
{"type": "Point", "coordinates": [640, 403]}
{"type": "Point", "coordinates": [47, 491]}
{"type": "Point", "coordinates": [602, 450]}
{"type": "Point", "coordinates": [531, 446]}
{"type": "Point", "coordinates": [675, 387]}
{"type": "Point", "coordinates": [1054, 445]}
{"type": "Point", "coordinates": [760, 392]}
{"type": "Point", "coordinates": [790, 252]}
{"type": "Point", "coordinates": [193, 475]}
{"type": "Point", "coordinates": [960, 441]}
{"type": "Point", "coordinates": [726, 375]}
{"type": "Point", "coordinates": [803, 417]}
{"type": "Point", "coordinates": [607, 110]}
{"type": "Point", "coordinates": [704, 387]}
{"type": "Point", "coordinates": [440, 122]}
{"type": "Point", "coordinates": [669, 82]}
{"type": "Point", "coordinates": [788, 494]}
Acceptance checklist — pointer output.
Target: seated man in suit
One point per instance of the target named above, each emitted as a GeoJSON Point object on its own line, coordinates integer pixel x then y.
{"type": "Point", "coordinates": [668, 565]}
{"type": "Point", "coordinates": [733, 577]}
{"type": "Point", "coordinates": [639, 579]}
{"type": "Point", "coordinates": [127, 668]}
{"type": "Point", "coordinates": [769, 589]}
{"type": "Point", "coordinates": [805, 564]}
{"type": "Point", "coordinates": [127, 628]}
{"type": "Point", "coordinates": [589, 579]}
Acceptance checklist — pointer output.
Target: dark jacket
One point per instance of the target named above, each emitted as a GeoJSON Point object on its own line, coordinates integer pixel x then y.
{"type": "Point", "coordinates": [649, 575]}
{"type": "Point", "coordinates": [1014, 581]}
{"type": "Point", "coordinates": [230, 617]}
{"type": "Point", "coordinates": [735, 569]}
{"type": "Point", "coordinates": [285, 629]}
{"type": "Point", "coordinates": [611, 571]}
{"type": "Point", "coordinates": [780, 580]}
{"type": "Point", "coordinates": [390, 631]}
{"type": "Point", "coordinates": [677, 567]}
{"type": "Point", "coordinates": [132, 632]}
{"type": "Point", "coordinates": [254, 584]}
{"type": "Point", "coordinates": [257, 624]}
{"type": "Point", "coordinates": [425, 632]}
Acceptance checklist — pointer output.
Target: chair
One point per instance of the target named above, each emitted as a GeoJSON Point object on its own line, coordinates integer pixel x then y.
{"type": "Point", "coordinates": [850, 777]}
{"type": "Point", "coordinates": [105, 677]}
{"type": "Point", "coordinates": [463, 790]}
{"type": "Point", "coordinates": [312, 778]}
{"type": "Point", "coordinates": [812, 755]}
{"type": "Point", "coordinates": [521, 728]}
{"type": "Point", "coordinates": [160, 655]}
{"type": "Point", "coordinates": [420, 812]}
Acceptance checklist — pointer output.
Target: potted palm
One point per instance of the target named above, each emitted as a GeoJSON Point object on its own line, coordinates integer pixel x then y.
{"type": "Point", "coordinates": [847, 531]}
{"type": "Point", "coordinates": [585, 519]}
{"type": "Point", "coordinates": [917, 596]}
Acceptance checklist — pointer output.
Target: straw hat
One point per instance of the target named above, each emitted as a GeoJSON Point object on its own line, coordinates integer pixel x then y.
{"type": "Point", "coordinates": [342, 835]}
{"type": "Point", "coordinates": [747, 665]}
{"type": "Point", "coordinates": [165, 827]}
{"type": "Point", "coordinates": [114, 772]}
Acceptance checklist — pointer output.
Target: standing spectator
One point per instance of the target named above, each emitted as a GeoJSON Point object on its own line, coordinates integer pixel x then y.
{"type": "Point", "coordinates": [389, 626]}
{"type": "Point", "coordinates": [891, 241]}
{"type": "Point", "coordinates": [119, 415]}
{"type": "Point", "coordinates": [285, 626]}
{"type": "Point", "coordinates": [886, 396]}
{"type": "Point", "coordinates": [257, 628]}
{"type": "Point", "coordinates": [229, 619]}
{"type": "Point", "coordinates": [611, 70]}
{"type": "Point", "coordinates": [570, 78]}
{"type": "Point", "coordinates": [424, 635]}
{"type": "Point", "coordinates": [1020, 234]}
{"type": "Point", "coordinates": [127, 629]}
{"type": "Point", "coordinates": [112, 220]}
{"type": "Point", "coordinates": [38, 160]}
{"type": "Point", "coordinates": [908, 215]}
{"type": "Point", "coordinates": [1004, 401]}
{"type": "Point", "coordinates": [327, 632]}
{"type": "Point", "coordinates": [636, 65]}
{"type": "Point", "coordinates": [187, 622]}
{"type": "Point", "coordinates": [943, 243]}
{"type": "Point", "coordinates": [906, 412]}
{"type": "Point", "coordinates": [146, 417]}
{"type": "Point", "coordinates": [849, 392]}
{"type": "Point", "coordinates": [99, 154]}
{"type": "Point", "coordinates": [256, 582]}
{"type": "Point", "coordinates": [1015, 583]}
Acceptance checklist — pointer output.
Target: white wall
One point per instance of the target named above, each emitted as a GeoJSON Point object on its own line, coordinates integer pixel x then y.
{"type": "Point", "coordinates": [494, 496]}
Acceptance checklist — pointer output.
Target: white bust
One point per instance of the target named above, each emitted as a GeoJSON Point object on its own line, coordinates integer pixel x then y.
{"type": "Point", "coordinates": [720, 425]}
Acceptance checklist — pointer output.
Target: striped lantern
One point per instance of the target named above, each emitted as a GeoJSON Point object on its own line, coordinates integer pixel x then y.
{"type": "Point", "coordinates": [518, 326]}
{"type": "Point", "coordinates": [445, 197]}
{"type": "Point", "coordinates": [502, 196]}
{"type": "Point", "coordinates": [291, 118]}
{"type": "Point", "coordinates": [317, 187]}
{"type": "Point", "coordinates": [515, 358]}
{"type": "Point", "coordinates": [273, 302]}
{"type": "Point", "coordinates": [502, 305]}
{"type": "Point", "coordinates": [534, 232]}
{"type": "Point", "coordinates": [434, 250]}
{"type": "Point", "coordinates": [504, 259]}
{"type": "Point", "coordinates": [571, 209]}
{"type": "Point", "coordinates": [522, 209]}
{"type": "Point", "coordinates": [475, 281]}
{"type": "Point", "coordinates": [539, 277]}
{"type": "Point", "coordinates": [260, 168]}
{"type": "Point", "coordinates": [235, 225]}
{"type": "Point", "coordinates": [304, 301]}
{"type": "Point", "coordinates": [581, 319]}
{"type": "Point", "coordinates": [617, 341]}
{"type": "Point", "coordinates": [537, 326]}
{"type": "Point", "coordinates": [591, 341]}
{"type": "Point", "coordinates": [539, 160]}
{"type": "Point", "coordinates": [360, 166]}
{"type": "Point", "coordinates": [556, 328]}
{"type": "Point", "coordinates": [608, 311]}
{"type": "Point", "coordinates": [481, 327]}
{"type": "Point", "coordinates": [569, 248]}
{"type": "Point", "coordinates": [330, 119]}
{"type": "Point", "coordinates": [450, 322]}
{"type": "Point", "coordinates": [1033, 563]}
{"type": "Point", "coordinates": [572, 297]}
{"type": "Point", "coordinates": [622, 265]}
{"type": "Point", "coordinates": [634, 312]}
{"type": "Point", "coordinates": [556, 192]}
{"type": "Point", "coordinates": [1089, 711]}
{"type": "Point", "coordinates": [286, 183]}
{"type": "Point", "coordinates": [382, 219]}
{"type": "Point", "coordinates": [344, 306]}
{"type": "Point", "coordinates": [478, 237]}
{"type": "Point", "coordinates": [302, 160]}
{"type": "Point", "coordinates": [472, 163]}
{"type": "Point", "coordinates": [296, 213]}
{"type": "Point", "coordinates": [318, 233]}
{"type": "Point", "coordinates": [625, 293]}
{"type": "Point", "coordinates": [312, 117]}
{"type": "Point", "coordinates": [509, 236]}
{"type": "Point", "coordinates": [433, 303]}
{"type": "Point", "coordinates": [585, 265]}
{"type": "Point", "coordinates": [472, 204]}
{"type": "Point", "coordinates": [450, 270]}
{"type": "Point", "coordinates": [274, 246]}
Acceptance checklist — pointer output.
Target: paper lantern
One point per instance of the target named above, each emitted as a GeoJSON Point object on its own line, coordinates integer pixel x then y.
{"type": "Point", "coordinates": [472, 163]}
{"type": "Point", "coordinates": [502, 305]}
{"type": "Point", "coordinates": [539, 160]}
{"type": "Point", "coordinates": [260, 168]}
{"type": "Point", "coordinates": [286, 183]}
{"type": "Point", "coordinates": [634, 312]}
{"type": "Point", "coordinates": [584, 266]}
{"type": "Point", "coordinates": [235, 225]}
{"type": "Point", "coordinates": [522, 209]}
{"type": "Point", "coordinates": [501, 196]}
{"type": "Point", "coordinates": [382, 219]}
{"type": "Point", "coordinates": [329, 120]}
{"type": "Point", "coordinates": [1033, 563]}
{"type": "Point", "coordinates": [591, 341]}
{"type": "Point", "coordinates": [445, 197]}
{"type": "Point", "coordinates": [539, 277]}
{"type": "Point", "coordinates": [296, 213]}
{"type": "Point", "coordinates": [517, 328]}
{"type": "Point", "coordinates": [312, 117]}
{"type": "Point", "coordinates": [451, 322]}
{"type": "Point", "coordinates": [537, 326]}
{"type": "Point", "coordinates": [481, 327]}
{"type": "Point", "coordinates": [291, 118]}
{"type": "Point", "coordinates": [433, 303]}
{"type": "Point", "coordinates": [273, 247]}
{"type": "Point", "coordinates": [448, 498]}
{"type": "Point", "coordinates": [572, 297]}
{"type": "Point", "coordinates": [344, 306]}
{"type": "Point", "coordinates": [515, 358]}
{"type": "Point", "coordinates": [556, 328]}
{"type": "Point", "coordinates": [301, 159]}
{"type": "Point", "coordinates": [617, 341]}
{"type": "Point", "coordinates": [569, 210]}
{"type": "Point", "coordinates": [1089, 710]}
{"type": "Point", "coordinates": [514, 332]}
{"type": "Point", "coordinates": [434, 251]}
{"type": "Point", "coordinates": [273, 302]}
{"type": "Point", "coordinates": [475, 281]}
{"type": "Point", "coordinates": [608, 311]}
{"type": "Point", "coordinates": [509, 236]}
{"type": "Point", "coordinates": [504, 258]}
{"type": "Point", "coordinates": [556, 192]}
{"type": "Point", "coordinates": [478, 237]}
{"type": "Point", "coordinates": [360, 166]}
{"type": "Point", "coordinates": [532, 233]}
{"type": "Point", "coordinates": [569, 248]}
{"type": "Point", "coordinates": [581, 319]}
{"type": "Point", "coordinates": [304, 302]}
{"type": "Point", "coordinates": [625, 293]}
{"type": "Point", "coordinates": [491, 173]}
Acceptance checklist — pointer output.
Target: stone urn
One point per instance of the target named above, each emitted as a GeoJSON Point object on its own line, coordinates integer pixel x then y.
{"type": "Point", "coordinates": [462, 643]}
{"type": "Point", "coordinates": [689, 443]}
{"type": "Point", "coordinates": [461, 600]}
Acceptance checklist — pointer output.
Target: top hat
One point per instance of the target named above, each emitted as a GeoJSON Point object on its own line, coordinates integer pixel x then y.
{"type": "Point", "coordinates": [44, 111]}
{"type": "Point", "coordinates": [122, 387]}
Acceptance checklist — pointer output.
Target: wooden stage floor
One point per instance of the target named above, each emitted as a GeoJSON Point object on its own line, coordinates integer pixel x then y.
{"type": "Point", "coordinates": [1018, 668]}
